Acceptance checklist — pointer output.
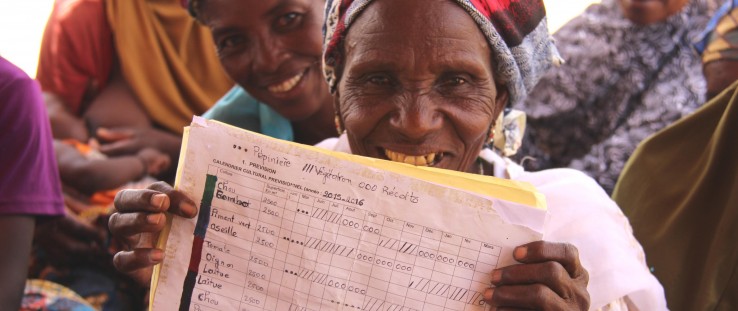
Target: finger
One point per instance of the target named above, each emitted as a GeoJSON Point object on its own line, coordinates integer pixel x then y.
{"type": "Point", "coordinates": [128, 224]}
{"type": "Point", "coordinates": [533, 296]}
{"type": "Point", "coordinates": [110, 135]}
{"type": "Point", "coordinates": [180, 203]}
{"type": "Point", "coordinates": [550, 273]}
{"type": "Point", "coordinates": [129, 261]}
{"type": "Point", "coordinates": [120, 147]}
{"type": "Point", "coordinates": [141, 200]}
{"type": "Point", "coordinates": [540, 251]}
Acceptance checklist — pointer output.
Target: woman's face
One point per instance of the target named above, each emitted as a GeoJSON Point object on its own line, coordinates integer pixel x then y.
{"type": "Point", "coordinates": [646, 12]}
{"type": "Point", "coordinates": [417, 85]}
{"type": "Point", "coordinates": [272, 48]}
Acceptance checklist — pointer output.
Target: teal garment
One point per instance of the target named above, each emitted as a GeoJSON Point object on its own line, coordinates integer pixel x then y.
{"type": "Point", "coordinates": [240, 109]}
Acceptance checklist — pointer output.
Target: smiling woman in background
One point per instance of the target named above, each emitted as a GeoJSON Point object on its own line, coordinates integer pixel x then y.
{"type": "Point", "coordinates": [272, 50]}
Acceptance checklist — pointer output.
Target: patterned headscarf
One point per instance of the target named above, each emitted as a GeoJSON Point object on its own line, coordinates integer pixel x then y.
{"type": "Point", "coordinates": [720, 39]}
{"type": "Point", "coordinates": [516, 30]}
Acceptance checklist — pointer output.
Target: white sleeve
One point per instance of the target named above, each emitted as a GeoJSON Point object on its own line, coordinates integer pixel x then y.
{"type": "Point", "coordinates": [581, 213]}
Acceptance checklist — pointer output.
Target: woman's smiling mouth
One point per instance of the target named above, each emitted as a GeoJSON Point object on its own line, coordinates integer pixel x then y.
{"type": "Point", "coordinates": [286, 85]}
{"type": "Point", "coordinates": [430, 159]}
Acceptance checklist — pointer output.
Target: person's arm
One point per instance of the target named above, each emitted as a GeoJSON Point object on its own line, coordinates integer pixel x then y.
{"type": "Point", "coordinates": [16, 233]}
{"type": "Point", "coordinates": [64, 124]}
{"type": "Point", "coordinates": [89, 176]}
{"type": "Point", "coordinates": [123, 126]}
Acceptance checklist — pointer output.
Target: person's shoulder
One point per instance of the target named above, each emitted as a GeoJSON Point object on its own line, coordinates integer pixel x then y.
{"type": "Point", "coordinates": [16, 85]}
{"type": "Point", "coordinates": [78, 14]}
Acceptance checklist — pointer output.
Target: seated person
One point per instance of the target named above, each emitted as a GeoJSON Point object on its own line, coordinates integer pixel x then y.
{"type": "Point", "coordinates": [630, 71]}
{"type": "Point", "coordinates": [30, 193]}
{"type": "Point", "coordinates": [151, 53]}
{"type": "Point", "coordinates": [405, 88]}
{"type": "Point", "coordinates": [679, 188]}
{"type": "Point", "coordinates": [137, 71]}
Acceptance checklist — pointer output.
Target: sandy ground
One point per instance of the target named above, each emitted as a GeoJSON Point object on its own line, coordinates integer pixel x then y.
{"type": "Point", "coordinates": [22, 25]}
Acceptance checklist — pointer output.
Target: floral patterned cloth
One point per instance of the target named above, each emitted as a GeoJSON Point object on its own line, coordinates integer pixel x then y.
{"type": "Point", "coordinates": [620, 84]}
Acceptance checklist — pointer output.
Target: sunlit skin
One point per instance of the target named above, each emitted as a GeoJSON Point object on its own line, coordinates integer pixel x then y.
{"type": "Point", "coordinates": [416, 90]}
{"type": "Point", "coordinates": [272, 48]}
{"type": "Point", "coordinates": [647, 12]}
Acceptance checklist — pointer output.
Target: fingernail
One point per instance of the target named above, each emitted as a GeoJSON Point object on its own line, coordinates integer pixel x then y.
{"type": "Point", "coordinates": [520, 252]}
{"type": "Point", "coordinates": [154, 219]}
{"type": "Point", "coordinates": [156, 255]}
{"type": "Point", "coordinates": [496, 276]}
{"type": "Point", "coordinates": [158, 200]}
{"type": "Point", "coordinates": [188, 209]}
{"type": "Point", "coordinates": [488, 293]}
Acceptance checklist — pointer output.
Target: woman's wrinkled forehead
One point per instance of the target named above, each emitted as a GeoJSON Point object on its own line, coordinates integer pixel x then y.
{"type": "Point", "coordinates": [515, 30]}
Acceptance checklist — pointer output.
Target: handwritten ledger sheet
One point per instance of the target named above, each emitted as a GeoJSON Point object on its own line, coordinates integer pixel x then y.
{"type": "Point", "coordinates": [288, 227]}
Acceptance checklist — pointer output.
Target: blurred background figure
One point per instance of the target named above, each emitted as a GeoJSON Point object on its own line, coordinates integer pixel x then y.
{"type": "Point", "coordinates": [120, 80]}
{"type": "Point", "coordinates": [30, 192]}
{"type": "Point", "coordinates": [680, 187]}
{"type": "Point", "coordinates": [630, 71]}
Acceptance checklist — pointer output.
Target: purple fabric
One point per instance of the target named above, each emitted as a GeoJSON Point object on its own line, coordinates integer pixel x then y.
{"type": "Point", "coordinates": [29, 178]}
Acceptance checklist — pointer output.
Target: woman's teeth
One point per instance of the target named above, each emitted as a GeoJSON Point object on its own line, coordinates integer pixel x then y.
{"type": "Point", "coordinates": [286, 85]}
{"type": "Point", "coordinates": [421, 160]}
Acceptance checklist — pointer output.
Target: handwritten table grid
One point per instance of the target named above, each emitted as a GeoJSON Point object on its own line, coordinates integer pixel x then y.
{"type": "Point", "coordinates": [318, 226]}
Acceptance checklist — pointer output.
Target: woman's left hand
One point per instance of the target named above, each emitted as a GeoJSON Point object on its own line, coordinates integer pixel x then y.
{"type": "Point", "coordinates": [550, 277]}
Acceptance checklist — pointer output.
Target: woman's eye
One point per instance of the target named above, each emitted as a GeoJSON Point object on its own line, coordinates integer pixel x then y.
{"type": "Point", "coordinates": [456, 81]}
{"type": "Point", "coordinates": [379, 80]}
{"type": "Point", "coordinates": [288, 20]}
{"type": "Point", "coordinates": [229, 42]}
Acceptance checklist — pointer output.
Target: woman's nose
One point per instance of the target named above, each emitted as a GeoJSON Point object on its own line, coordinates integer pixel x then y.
{"type": "Point", "coordinates": [268, 56]}
{"type": "Point", "coordinates": [417, 119]}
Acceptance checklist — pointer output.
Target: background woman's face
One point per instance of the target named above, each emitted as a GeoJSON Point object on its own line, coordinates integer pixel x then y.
{"type": "Point", "coordinates": [272, 48]}
{"type": "Point", "coordinates": [646, 12]}
{"type": "Point", "coordinates": [417, 84]}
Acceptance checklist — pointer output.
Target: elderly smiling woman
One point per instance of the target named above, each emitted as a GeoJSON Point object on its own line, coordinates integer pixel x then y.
{"type": "Point", "coordinates": [423, 82]}
{"type": "Point", "coordinates": [414, 83]}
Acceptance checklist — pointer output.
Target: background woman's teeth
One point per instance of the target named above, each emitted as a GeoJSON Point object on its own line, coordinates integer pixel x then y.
{"type": "Point", "coordinates": [286, 85]}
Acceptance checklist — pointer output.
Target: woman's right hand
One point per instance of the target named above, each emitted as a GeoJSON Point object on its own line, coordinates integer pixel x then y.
{"type": "Point", "coordinates": [137, 222]}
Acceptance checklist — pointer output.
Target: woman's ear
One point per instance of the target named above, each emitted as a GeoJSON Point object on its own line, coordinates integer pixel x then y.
{"type": "Point", "coordinates": [501, 100]}
{"type": "Point", "coordinates": [337, 108]}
